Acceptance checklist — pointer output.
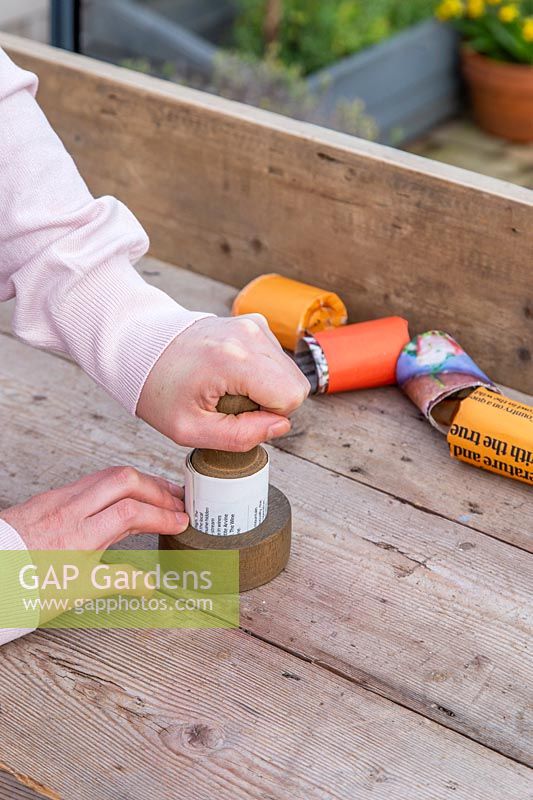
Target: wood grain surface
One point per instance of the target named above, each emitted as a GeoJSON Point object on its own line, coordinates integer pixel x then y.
{"type": "Point", "coordinates": [415, 607]}
{"type": "Point", "coordinates": [231, 191]}
{"type": "Point", "coordinates": [14, 787]}
{"type": "Point", "coordinates": [107, 715]}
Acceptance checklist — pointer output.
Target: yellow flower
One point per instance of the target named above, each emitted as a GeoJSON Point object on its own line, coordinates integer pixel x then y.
{"type": "Point", "coordinates": [509, 12]}
{"type": "Point", "coordinates": [449, 9]}
{"type": "Point", "coordinates": [527, 29]}
{"type": "Point", "coordinates": [475, 8]}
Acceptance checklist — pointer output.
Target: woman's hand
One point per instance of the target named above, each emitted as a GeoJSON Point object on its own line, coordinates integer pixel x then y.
{"type": "Point", "coordinates": [99, 510]}
{"type": "Point", "coordinates": [214, 357]}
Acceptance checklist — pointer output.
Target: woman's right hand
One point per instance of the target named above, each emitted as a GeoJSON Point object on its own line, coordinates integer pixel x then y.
{"type": "Point", "coordinates": [99, 510]}
{"type": "Point", "coordinates": [214, 357]}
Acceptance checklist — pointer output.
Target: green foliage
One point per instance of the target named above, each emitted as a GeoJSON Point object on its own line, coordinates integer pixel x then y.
{"type": "Point", "coordinates": [316, 33]}
{"type": "Point", "coordinates": [269, 85]}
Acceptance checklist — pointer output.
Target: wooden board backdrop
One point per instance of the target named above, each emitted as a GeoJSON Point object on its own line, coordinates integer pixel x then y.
{"type": "Point", "coordinates": [230, 191]}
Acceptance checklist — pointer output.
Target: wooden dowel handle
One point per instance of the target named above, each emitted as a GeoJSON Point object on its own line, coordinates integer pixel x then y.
{"type": "Point", "coordinates": [236, 404]}
{"type": "Point", "coordinates": [223, 464]}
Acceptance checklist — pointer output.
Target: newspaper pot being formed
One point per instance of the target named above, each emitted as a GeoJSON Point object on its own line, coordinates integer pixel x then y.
{"type": "Point", "coordinates": [502, 95]}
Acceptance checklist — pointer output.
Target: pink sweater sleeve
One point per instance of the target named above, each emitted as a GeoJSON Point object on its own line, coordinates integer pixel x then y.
{"type": "Point", "coordinates": [10, 540]}
{"type": "Point", "coordinates": [67, 260]}
{"type": "Point", "coordinates": [67, 257]}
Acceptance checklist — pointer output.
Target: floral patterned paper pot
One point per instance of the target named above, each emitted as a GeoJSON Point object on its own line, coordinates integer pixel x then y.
{"type": "Point", "coordinates": [436, 374]}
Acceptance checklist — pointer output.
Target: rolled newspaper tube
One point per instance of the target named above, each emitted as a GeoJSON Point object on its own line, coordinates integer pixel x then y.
{"type": "Point", "coordinates": [291, 308]}
{"type": "Point", "coordinates": [495, 433]}
{"type": "Point", "coordinates": [222, 506]}
{"type": "Point", "coordinates": [226, 493]}
{"type": "Point", "coordinates": [359, 356]}
{"type": "Point", "coordinates": [436, 374]}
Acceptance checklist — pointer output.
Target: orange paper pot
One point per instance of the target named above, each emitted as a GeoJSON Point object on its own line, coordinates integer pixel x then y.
{"type": "Point", "coordinates": [360, 356]}
{"type": "Point", "coordinates": [291, 307]}
{"type": "Point", "coordinates": [501, 94]}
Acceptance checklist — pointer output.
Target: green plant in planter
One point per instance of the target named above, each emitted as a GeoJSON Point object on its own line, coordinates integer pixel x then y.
{"type": "Point", "coordinates": [311, 34]}
{"type": "Point", "coordinates": [266, 84]}
{"type": "Point", "coordinates": [495, 28]}
{"type": "Point", "coordinates": [270, 85]}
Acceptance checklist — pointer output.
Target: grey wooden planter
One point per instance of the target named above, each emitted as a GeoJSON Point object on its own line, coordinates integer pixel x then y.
{"type": "Point", "coordinates": [408, 83]}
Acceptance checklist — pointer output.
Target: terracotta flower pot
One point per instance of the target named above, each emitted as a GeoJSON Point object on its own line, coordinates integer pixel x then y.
{"type": "Point", "coordinates": [502, 95]}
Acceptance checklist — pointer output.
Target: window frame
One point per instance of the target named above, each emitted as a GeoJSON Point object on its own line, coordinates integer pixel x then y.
{"type": "Point", "coordinates": [65, 17]}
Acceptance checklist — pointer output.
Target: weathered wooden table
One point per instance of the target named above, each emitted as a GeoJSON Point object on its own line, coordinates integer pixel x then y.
{"type": "Point", "coordinates": [392, 659]}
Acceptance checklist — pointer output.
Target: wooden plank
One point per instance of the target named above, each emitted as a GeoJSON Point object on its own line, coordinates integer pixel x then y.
{"type": "Point", "coordinates": [12, 789]}
{"type": "Point", "coordinates": [410, 605]}
{"type": "Point", "coordinates": [232, 191]}
{"type": "Point", "coordinates": [203, 714]}
{"type": "Point", "coordinates": [377, 437]}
